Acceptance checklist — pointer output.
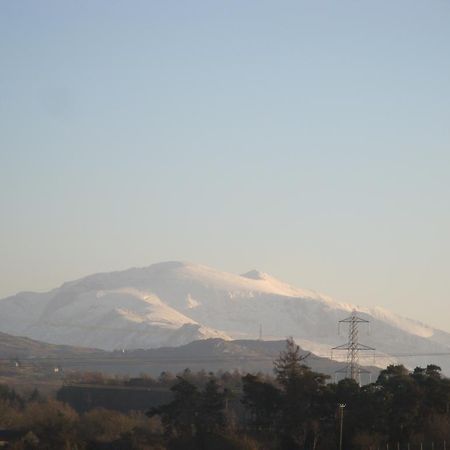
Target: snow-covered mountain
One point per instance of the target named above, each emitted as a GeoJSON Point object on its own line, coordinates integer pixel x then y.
{"type": "Point", "coordinates": [175, 303]}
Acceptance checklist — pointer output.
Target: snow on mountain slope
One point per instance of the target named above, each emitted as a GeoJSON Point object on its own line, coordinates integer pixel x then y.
{"type": "Point", "coordinates": [175, 303]}
{"type": "Point", "coordinates": [104, 318]}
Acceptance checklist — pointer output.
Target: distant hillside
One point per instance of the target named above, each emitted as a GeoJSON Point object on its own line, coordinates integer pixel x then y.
{"type": "Point", "coordinates": [23, 347]}
{"type": "Point", "coordinates": [245, 355]}
{"type": "Point", "coordinates": [210, 355]}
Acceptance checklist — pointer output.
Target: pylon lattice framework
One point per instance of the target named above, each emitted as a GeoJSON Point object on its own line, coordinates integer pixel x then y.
{"type": "Point", "coordinates": [353, 347]}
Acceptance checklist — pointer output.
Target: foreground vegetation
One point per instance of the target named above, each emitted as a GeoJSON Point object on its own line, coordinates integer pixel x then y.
{"type": "Point", "coordinates": [296, 409]}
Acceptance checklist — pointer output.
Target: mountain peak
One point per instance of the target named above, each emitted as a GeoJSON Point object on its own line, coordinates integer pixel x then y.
{"type": "Point", "coordinates": [170, 265]}
{"type": "Point", "coordinates": [256, 275]}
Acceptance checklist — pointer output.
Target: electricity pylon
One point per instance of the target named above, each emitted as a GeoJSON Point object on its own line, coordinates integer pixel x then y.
{"type": "Point", "coordinates": [353, 347]}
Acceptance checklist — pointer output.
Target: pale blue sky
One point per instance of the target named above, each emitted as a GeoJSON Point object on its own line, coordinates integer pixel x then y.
{"type": "Point", "coordinates": [308, 139]}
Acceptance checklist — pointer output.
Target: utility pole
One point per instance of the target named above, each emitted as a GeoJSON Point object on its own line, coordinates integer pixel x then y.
{"type": "Point", "coordinates": [353, 347]}
{"type": "Point", "coordinates": [341, 426]}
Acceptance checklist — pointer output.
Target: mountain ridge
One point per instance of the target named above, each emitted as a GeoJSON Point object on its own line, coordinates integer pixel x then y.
{"type": "Point", "coordinates": [178, 302]}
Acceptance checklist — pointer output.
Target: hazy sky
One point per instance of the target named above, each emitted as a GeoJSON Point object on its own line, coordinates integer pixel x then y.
{"type": "Point", "coordinates": [307, 139]}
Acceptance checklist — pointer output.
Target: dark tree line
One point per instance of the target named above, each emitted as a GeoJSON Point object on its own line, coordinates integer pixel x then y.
{"type": "Point", "coordinates": [296, 409]}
